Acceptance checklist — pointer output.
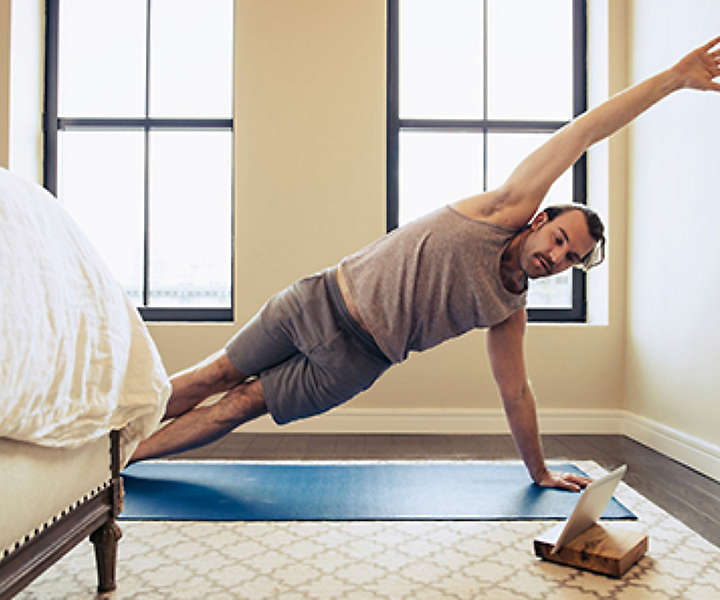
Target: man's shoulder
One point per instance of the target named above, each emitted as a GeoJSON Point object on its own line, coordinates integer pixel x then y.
{"type": "Point", "coordinates": [497, 207]}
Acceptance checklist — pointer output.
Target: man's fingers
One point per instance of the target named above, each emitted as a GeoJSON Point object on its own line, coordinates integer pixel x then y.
{"type": "Point", "coordinates": [711, 43]}
{"type": "Point", "coordinates": [571, 486]}
{"type": "Point", "coordinates": [575, 482]}
{"type": "Point", "coordinates": [578, 478]}
{"type": "Point", "coordinates": [566, 481]}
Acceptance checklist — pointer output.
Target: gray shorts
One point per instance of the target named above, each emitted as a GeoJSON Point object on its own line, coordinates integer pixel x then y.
{"type": "Point", "coordinates": [308, 351]}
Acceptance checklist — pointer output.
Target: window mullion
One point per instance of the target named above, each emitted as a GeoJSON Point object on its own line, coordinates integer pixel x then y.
{"type": "Point", "coordinates": [485, 93]}
{"type": "Point", "coordinates": [50, 121]}
{"type": "Point", "coordinates": [477, 124]}
{"type": "Point", "coordinates": [146, 190]}
{"type": "Point", "coordinates": [393, 118]}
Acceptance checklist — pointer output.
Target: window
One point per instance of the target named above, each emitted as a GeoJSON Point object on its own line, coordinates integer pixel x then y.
{"type": "Point", "coordinates": [138, 144]}
{"type": "Point", "coordinates": [473, 87]}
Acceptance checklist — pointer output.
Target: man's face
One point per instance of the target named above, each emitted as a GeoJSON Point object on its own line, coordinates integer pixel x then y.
{"type": "Point", "coordinates": [553, 246]}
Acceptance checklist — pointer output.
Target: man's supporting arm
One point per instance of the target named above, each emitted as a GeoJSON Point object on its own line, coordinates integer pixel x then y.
{"type": "Point", "coordinates": [505, 350]}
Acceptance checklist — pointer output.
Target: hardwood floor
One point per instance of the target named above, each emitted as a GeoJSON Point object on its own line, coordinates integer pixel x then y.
{"type": "Point", "coordinates": [689, 496]}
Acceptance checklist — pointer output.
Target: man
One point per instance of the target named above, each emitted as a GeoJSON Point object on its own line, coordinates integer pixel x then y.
{"type": "Point", "coordinates": [329, 336]}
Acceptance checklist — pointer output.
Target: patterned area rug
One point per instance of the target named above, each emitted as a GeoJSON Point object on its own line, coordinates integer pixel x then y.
{"type": "Point", "coordinates": [389, 560]}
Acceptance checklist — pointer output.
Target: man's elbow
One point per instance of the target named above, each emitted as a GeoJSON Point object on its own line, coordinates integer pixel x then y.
{"type": "Point", "coordinates": [582, 131]}
{"type": "Point", "coordinates": [514, 394]}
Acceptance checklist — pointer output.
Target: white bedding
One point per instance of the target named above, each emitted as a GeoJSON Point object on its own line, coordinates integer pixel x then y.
{"type": "Point", "coordinates": [76, 360]}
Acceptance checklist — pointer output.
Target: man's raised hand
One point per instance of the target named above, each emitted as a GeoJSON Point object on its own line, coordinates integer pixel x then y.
{"type": "Point", "coordinates": [698, 69]}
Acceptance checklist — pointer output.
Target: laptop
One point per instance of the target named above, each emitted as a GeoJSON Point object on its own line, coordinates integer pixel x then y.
{"type": "Point", "coordinates": [591, 504]}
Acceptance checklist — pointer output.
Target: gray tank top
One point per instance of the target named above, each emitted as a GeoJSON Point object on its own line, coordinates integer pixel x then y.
{"type": "Point", "coordinates": [430, 280]}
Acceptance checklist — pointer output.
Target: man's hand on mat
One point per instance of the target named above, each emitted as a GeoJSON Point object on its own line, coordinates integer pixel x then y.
{"type": "Point", "coordinates": [566, 481]}
{"type": "Point", "coordinates": [698, 69]}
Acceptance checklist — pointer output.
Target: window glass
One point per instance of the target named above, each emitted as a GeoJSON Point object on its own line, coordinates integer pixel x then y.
{"type": "Point", "coordinates": [101, 185]}
{"type": "Point", "coordinates": [441, 59]}
{"type": "Point", "coordinates": [190, 218]}
{"type": "Point", "coordinates": [506, 150]}
{"type": "Point", "coordinates": [437, 169]}
{"type": "Point", "coordinates": [530, 54]}
{"type": "Point", "coordinates": [101, 58]}
{"type": "Point", "coordinates": [191, 58]}
{"type": "Point", "coordinates": [551, 292]}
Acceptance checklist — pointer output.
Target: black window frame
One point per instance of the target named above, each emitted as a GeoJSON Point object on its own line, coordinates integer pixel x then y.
{"type": "Point", "coordinates": [578, 311]}
{"type": "Point", "coordinates": [52, 123]}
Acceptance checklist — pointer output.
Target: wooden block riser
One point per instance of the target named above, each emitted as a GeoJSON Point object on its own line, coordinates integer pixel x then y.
{"type": "Point", "coordinates": [610, 548]}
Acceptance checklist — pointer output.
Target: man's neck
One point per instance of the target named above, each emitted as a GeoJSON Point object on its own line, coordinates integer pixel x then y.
{"type": "Point", "coordinates": [512, 274]}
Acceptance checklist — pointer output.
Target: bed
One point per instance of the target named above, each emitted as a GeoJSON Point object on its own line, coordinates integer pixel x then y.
{"type": "Point", "coordinates": [81, 384]}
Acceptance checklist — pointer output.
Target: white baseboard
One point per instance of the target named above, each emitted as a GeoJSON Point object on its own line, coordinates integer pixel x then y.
{"type": "Point", "coordinates": [450, 421]}
{"type": "Point", "coordinates": [689, 450]}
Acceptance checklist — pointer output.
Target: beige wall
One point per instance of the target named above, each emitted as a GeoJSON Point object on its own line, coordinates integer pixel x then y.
{"type": "Point", "coordinates": [4, 83]}
{"type": "Point", "coordinates": [310, 170]}
{"type": "Point", "coordinates": [21, 86]}
{"type": "Point", "coordinates": [310, 187]}
{"type": "Point", "coordinates": [673, 341]}
{"type": "Point", "coordinates": [27, 81]}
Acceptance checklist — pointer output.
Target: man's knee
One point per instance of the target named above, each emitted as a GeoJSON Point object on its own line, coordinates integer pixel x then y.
{"type": "Point", "coordinates": [242, 403]}
{"type": "Point", "coordinates": [215, 374]}
{"type": "Point", "coordinates": [226, 372]}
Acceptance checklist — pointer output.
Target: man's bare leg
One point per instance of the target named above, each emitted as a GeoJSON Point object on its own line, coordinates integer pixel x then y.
{"type": "Point", "coordinates": [214, 375]}
{"type": "Point", "coordinates": [205, 424]}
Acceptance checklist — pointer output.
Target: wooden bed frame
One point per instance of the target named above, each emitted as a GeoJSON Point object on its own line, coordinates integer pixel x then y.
{"type": "Point", "coordinates": [95, 517]}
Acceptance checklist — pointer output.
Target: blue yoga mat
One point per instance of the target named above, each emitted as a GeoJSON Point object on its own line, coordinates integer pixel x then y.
{"type": "Point", "coordinates": [354, 491]}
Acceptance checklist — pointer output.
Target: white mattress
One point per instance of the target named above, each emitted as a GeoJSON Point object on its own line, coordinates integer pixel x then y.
{"type": "Point", "coordinates": [76, 360]}
{"type": "Point", "coordinates": [38, 483]}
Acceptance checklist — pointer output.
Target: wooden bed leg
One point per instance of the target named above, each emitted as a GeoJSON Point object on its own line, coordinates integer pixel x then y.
{"type": "Point", "coordinates": [105, 540]}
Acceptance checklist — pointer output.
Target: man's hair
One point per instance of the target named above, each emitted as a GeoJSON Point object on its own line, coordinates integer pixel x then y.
{"type": "Point", "coordinates": [595, 227]}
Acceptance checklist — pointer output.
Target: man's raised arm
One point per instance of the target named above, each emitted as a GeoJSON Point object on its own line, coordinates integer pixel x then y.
{"type": "Point", "coordinates": [521, 195]}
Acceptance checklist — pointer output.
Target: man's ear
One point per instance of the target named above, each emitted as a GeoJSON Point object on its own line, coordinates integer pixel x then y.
{"type": "Point", "coordinates": [539, 220]}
